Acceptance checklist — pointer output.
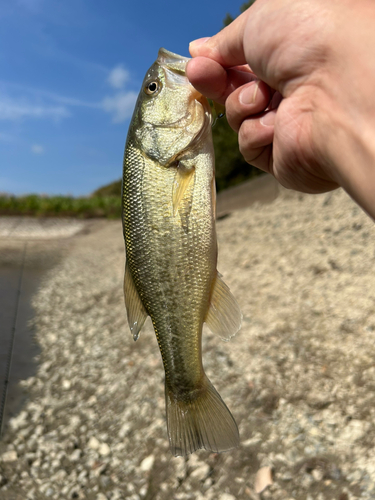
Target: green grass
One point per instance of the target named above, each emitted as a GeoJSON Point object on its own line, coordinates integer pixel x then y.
{"type": "Point", "coordinates": [61, 206]}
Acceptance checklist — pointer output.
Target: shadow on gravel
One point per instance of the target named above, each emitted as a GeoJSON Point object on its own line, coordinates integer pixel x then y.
{"type": "Point", "coordinates": [22, 267]}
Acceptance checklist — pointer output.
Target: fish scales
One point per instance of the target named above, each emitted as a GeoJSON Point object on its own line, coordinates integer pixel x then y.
{"type": "Point", "coordinates": [171, 252]}
{"type": "Point", "coordinates": [174, 278]}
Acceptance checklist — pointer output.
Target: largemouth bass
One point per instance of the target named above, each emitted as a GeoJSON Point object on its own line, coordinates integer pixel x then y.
{"type": "Point", "coordinates": [171, 251]}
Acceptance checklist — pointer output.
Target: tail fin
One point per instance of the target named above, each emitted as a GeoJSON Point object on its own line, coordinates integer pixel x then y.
{"type": "Point", "coordinates": [200, 420]}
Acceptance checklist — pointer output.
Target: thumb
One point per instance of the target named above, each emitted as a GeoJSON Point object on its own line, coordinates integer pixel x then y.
{"type": "Point", "coordinates": [226, 47]}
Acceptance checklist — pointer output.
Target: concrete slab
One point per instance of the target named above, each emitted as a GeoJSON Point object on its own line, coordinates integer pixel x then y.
{"type": "Point", "coordinates": [26, 228]}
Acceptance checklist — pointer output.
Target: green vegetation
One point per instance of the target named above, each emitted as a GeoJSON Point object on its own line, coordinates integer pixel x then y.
{"type": "Point", "coordinates": [112, 189]}
{"type": "Point", "coordinates": [61, 206]}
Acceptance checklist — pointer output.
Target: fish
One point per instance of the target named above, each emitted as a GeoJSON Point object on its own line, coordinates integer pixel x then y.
{"type": "Point", "coordinates": [168, 214]}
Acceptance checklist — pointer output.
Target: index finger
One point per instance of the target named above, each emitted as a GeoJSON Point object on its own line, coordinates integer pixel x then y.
{"type": "Point", "coordinates": [215, 82]}
{"type": "Point", "coordinates": [226, 47]}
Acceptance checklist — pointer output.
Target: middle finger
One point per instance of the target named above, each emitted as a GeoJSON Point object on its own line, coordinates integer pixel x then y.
{"type": "Point", "coordinates": [247, 100]}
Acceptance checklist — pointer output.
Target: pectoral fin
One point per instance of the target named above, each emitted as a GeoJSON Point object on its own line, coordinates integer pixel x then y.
{"type": "Point", "coordinates": [181, 183]}
{"type": "Point", "coordinates": [136, 312]}
{"type": "Point", "coordinates": [224, 315]}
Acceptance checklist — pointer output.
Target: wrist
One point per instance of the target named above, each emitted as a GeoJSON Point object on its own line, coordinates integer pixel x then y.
{"type": "Point", "coordinates": [349, 153]}
{"type": "Point", "coordinates": [347, 110]}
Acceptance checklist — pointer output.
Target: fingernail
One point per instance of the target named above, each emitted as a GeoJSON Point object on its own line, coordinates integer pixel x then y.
{"type": "Point", "coordinates": [248, 94]}
{"type": "Point", "coordinates": [268, 120]}
{"type": "Point", "coordinates": [198, 41]}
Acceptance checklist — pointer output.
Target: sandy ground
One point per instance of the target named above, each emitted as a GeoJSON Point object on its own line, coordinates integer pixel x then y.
{"type": "Point", "coordinates": [299, 377]}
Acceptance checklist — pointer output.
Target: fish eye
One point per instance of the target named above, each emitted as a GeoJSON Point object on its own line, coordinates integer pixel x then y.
{"type": "Point", "coordinates": [152, 87]}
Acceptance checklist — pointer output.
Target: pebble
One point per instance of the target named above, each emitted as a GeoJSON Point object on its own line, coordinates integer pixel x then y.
{"type": "Point", "coordinates": [104, 450]}
{"type": "Point", "coordinates": [227, 496]}
{"type": "Point", "coordinates": [93, 443]}
{"type": "Point", "coordinates": [19, 421]}
{"type": "Point", "coordinates": [287, 476]}
{"type": "Point", "coordinates": [201, 472]}
{"type": "Point", "coordinates": [59, 476]}
{"type": "Point", "coordinates": [101, 496]}
{"type": "Point", "coordinates": [76, 455]}
{"type": "Point", "coordinates": [254, 441]}
{"type": "Point", "coordinates": [147, 463]}
{"type": "Point", "coordinates": [9, 456]}
{"type": "Point", "coordinates": [66, 384]}
{"type": "Point", "coordinates": [355, 429]}
{"type": "Point", "coordinates": [124, 430]}
{"type": "Point", "coordinates": [317, 474]}
{"type": "Point", "coordinates": [263, 479]}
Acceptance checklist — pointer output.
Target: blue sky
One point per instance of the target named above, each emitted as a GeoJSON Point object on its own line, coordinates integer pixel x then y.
{"type": "Point", "coordinates": [70, 71]}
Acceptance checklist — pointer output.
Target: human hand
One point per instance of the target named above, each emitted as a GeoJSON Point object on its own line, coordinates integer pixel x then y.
{"type": "Point", "coordinates": [295, 117]}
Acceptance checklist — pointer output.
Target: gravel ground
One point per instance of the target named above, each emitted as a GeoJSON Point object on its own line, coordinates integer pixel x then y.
{"type": "Point", "coordinates": [299, 376]}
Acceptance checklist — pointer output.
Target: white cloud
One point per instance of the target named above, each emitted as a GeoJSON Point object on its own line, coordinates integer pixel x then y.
{"type": "Point", "coordinates": [118, 76]}
{"type": "Point", "coordinates": [44, 95]}
{"type": "Point", "coordinates": [121, 105]}
{"type": "Point", "coordinates": [34, 103]}
{"type": "Point", "coordinates": [12, 109]}
{"type": "Point", "coordinates": [37, 149]}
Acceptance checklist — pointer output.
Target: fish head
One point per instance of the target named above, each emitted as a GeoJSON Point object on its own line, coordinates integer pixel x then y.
{"type": "Point", "coordinates": [170, 115]}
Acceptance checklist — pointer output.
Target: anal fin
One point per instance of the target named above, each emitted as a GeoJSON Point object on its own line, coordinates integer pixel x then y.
{"type": "Point", "coordinates": [136, 312]}
{"type": "Point", "coordinates": [224, 316]}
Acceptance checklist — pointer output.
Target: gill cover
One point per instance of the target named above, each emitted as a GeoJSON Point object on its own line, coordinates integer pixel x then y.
{"type": "Point", "coordinates": [171, 114]}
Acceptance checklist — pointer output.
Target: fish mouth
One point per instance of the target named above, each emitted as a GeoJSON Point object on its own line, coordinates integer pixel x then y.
{"type": "Point", "coordinates": [176, 69]}
{"type": "Point", "coordinates": [172, 61]}
{"type": "Point", "coordinates": [176, 64]}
